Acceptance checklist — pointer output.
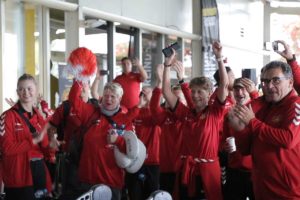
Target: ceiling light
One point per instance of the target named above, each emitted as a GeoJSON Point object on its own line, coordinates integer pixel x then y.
{"type": "Point", "coordinates": [286, 4]}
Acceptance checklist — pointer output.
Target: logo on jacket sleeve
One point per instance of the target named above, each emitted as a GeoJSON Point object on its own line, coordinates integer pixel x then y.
{"type": "Point", "coordinates": [2, 125]}
{"type": "Point", "coordinates": [296, 119]}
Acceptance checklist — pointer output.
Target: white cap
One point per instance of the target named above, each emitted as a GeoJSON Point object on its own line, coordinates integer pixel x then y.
{"type": "Point", "coordinates": [135, 155]}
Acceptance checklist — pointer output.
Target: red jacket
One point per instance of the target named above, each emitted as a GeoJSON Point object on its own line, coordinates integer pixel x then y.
{"type": "Point", "coordinates": [97, 163]}
{"type": "Point", "coordinates": [296, 75]}
{"type": "Point", "coordinates": [17, 147]}
{"type": "Point", "coordinates": [171, 135]}
{"type": "Point", "coordinates": [201, 130]}
{"type": "Point", "coordinates": [274, 140]}
{"type": "Point", "coordinates": [148, 132]}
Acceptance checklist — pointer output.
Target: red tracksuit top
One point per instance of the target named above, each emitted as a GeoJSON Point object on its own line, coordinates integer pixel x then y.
{"type": "Point", "coordinates": [296, 75]}
{"type": "Point", "coordinates": [71, 127]}
{"type": "Point", "coordinates": [148, 132]}
{"type": "Point", "coordinates": [201, 130]}
{"type": "Point", "coordinates": [171, 135]}
{"type": "Point", "coordinates": [97, 163]}
{"type": "Point", "coordinates": [130, 83]}
{"type": "Point", "coordinates": [274, 140]}
{"type": "Point", "coordinates": [17, 147]}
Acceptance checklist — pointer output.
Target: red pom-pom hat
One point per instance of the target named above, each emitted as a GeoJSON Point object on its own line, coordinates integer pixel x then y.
{"type": "Point", "coordinates": [82, 64]}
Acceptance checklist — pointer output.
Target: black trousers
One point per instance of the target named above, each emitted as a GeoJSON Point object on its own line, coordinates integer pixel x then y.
{"type": "Point", "coordinates": [24, 193]}
{"type": "Point", "coordinates": [38, 171]}
{"type": "Point", "coordinates": [141, 184]}
{"type": "Point", "coordinates": [167, 182]}
{"type": "Point", "coordinates": [238, 185]}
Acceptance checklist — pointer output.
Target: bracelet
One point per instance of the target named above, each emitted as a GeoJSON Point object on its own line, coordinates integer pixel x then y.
{"type": "Point", "coordinates": [293, 59]}
{"type": "Point", "coordinates": [219, 59]}
{"type": "Point", "coordinates": [168, 65]}
{"type": "Point", "coordinates": [181, 81]}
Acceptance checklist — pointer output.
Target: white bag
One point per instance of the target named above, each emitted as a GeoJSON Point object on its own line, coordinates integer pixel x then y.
{"type": "Point", "coordinates": [135, 155]}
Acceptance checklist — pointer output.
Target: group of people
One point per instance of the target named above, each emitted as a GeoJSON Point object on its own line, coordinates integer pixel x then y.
{"type": "Point", "coordinates": [189, 137]}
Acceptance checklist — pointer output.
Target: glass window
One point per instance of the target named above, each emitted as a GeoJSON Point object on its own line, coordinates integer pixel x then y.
{"type": "Point", "coordinates": [12, 46]}
{"type": "Point", "coordinates": [95, 39]}
{"type": "Point", "coordinates": [286, 27]}
{"type": "Point", "coordinates": [187, 59]}
{"type": "Point", "coordinates": [124, 47]}
{"type": "Point", "coordinates": [59, 83]}
{"type": "Point", "coordinates": [150, 52]}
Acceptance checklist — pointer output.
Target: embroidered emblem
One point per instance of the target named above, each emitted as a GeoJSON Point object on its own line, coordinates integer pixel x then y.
{"type": "Point", "coordinates": [296, 119]}
{"type": "Point", "coordinates": [296, 122]}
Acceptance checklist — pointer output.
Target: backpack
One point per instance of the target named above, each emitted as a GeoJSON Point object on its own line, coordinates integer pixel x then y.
{"type": "Point", "coordinates": [76, 143]}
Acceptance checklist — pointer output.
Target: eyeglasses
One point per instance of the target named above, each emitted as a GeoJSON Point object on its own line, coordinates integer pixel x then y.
{"type": "Point", "coordinates": [275, 80]}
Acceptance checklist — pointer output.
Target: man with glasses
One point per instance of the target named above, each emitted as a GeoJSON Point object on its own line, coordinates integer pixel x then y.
{"type": "Point", "coordinates": [269, 131]}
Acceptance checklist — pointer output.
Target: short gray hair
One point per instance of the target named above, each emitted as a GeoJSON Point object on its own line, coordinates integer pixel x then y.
{"type": "Point", "coordinates": [115, 87]}
{"type": "Point", "coordinates": [286, 69]}
{"type": "Point", "coordinates": [203, 82]}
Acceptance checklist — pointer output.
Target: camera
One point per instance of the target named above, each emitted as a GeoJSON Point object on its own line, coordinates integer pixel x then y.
{"type": "Point", "coordinates": [168, 50]}
{"type": "Point", "coordinates": [103, 72]}
{"type": "Point", "coordinates": [275, 46]}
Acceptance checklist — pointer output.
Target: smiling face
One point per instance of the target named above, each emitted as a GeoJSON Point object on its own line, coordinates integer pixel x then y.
{"type": "Point", "coordinates": [27, 91]}
{"type": "Point", "coordinates": [241, 95]}
{"type": "Point", "coordinates": [201, 90]}
{"type": "Point", "coordinates": [200, 97]}
{"type": "Point", "coordinates": [276, 85]}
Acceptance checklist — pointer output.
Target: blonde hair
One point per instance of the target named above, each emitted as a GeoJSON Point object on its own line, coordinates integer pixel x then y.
{"type": "Point", "coordinates": [114, 87]}
{"type": "Point", "coordinates": [25, 77]}
{"type": "Point", "coordinates": [203, 82]}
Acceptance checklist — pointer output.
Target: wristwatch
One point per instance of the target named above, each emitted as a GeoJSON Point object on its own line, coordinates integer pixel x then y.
{"type": "Point", "coordinates": [293, 59]}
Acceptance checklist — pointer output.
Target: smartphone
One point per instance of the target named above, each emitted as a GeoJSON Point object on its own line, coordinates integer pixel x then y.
{"type": "Point", "coordinates": [168, 50]}
{"type": "Point", "coordinates": [103, 72]}
{"type": "Point", "coordinates": [249, 74]}
{"type": "Point", "coordinates": [275, 46]}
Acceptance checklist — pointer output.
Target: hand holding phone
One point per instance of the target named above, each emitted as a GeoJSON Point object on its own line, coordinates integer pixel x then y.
{"type": "Point", "coordinates": [275, 45]}
{"type": "Point", "coordinates": [168, 50]}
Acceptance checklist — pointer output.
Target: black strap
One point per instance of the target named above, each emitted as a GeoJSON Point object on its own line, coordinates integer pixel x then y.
{"type": "Point", "coordinates": [61, 126]}
{"type": "Point", "coordinates": [114, 124]}
{"type": "Point", "coordinates": [67, 106]}
{"type": "Point", "coordinates": [31, 128]}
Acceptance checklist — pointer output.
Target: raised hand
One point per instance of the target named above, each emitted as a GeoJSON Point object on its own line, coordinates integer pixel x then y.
{"type": "Point", "coordinates": [249, 85]}
{"type": "Point", "coordinates": [287, 52]}
{"type": "Point", "coordinates": [10, 102]}
{"type": "Point", "coordinates": [169, 61]}
{"type": "Point", "coordinates": [217, 49]}
{"type": "Point", "coordinates": [178, 67]}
